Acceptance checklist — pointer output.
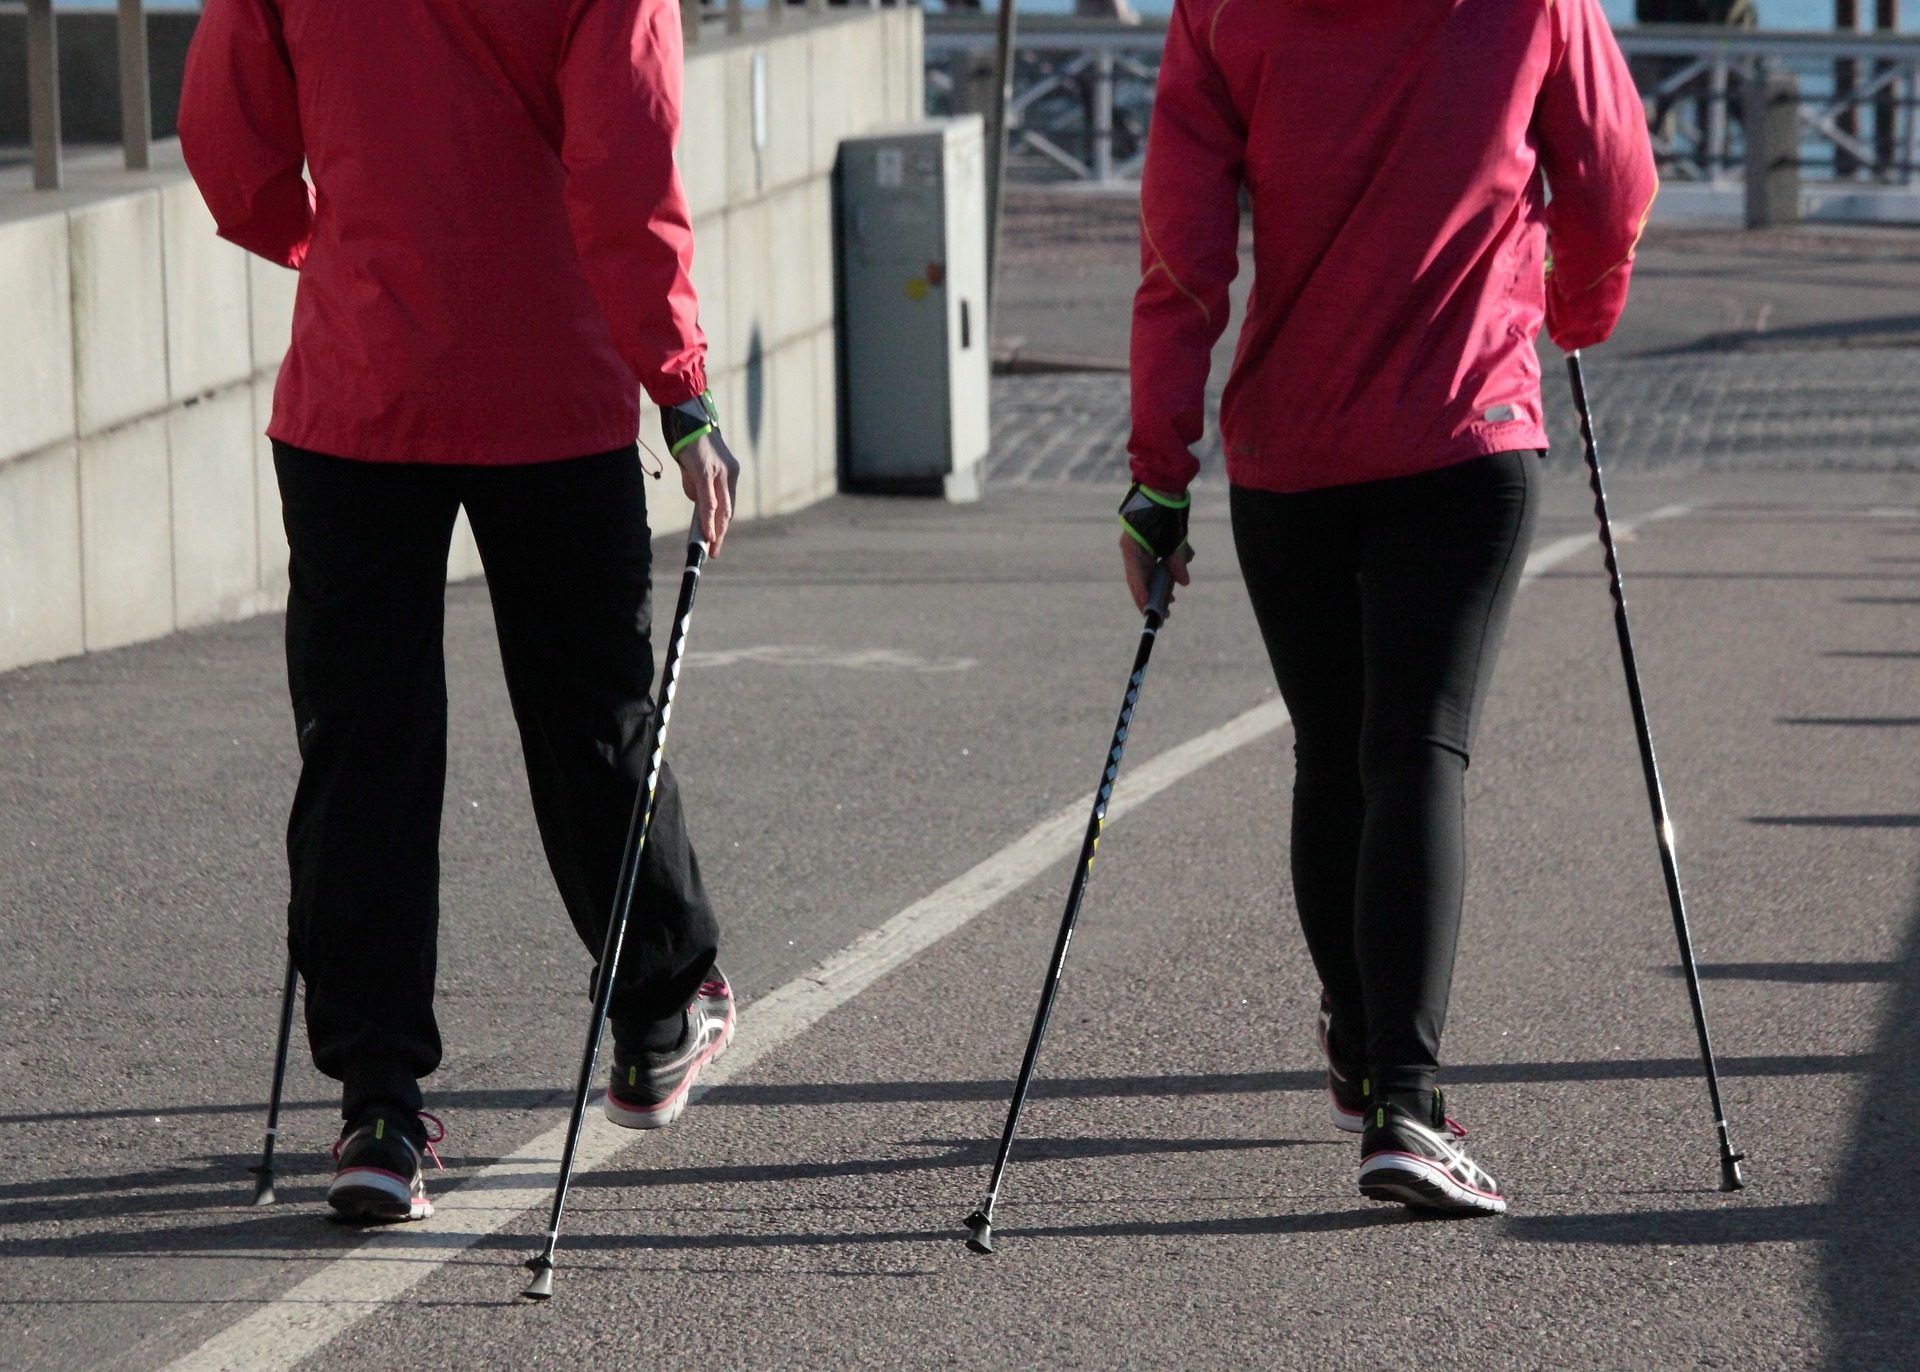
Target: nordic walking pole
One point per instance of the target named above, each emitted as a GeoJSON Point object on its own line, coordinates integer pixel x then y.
{"type": "Point", "coordinates": [1730, 1178]}
{"type": "Point", "coordinates": [263, 1170]}
{"type": "Point", "coordinates": [541, 1264]}
{"type": "Point", "coordinates": [980, 1222]}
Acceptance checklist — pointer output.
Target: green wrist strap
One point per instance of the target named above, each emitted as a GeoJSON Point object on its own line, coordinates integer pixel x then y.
{"type": "Point", "coordinates": [685, 439]}
{"type": "Point", "coordinates": [688, 421]}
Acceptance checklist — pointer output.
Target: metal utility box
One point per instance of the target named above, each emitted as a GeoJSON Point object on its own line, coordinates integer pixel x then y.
{"type": "Point", "coordinates": [913, 335]}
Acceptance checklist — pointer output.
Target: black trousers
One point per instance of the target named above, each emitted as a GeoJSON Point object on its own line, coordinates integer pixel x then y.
{"type": "Point", "coordinates": [567, 557]}
{"type": "Point", "coordinates": [1382, 605]}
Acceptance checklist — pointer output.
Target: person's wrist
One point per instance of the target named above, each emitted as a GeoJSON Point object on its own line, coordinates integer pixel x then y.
{"type": "Point", "coordinates": [684, 424]}
{"type": "Point", "coordinates": [1155, 520]}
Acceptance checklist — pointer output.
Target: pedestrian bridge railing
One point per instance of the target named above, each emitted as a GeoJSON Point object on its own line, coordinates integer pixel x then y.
{"type": "Point", "coordinates": [43, 90]}
{"type": "Point", "coordinates": [1083, 92]}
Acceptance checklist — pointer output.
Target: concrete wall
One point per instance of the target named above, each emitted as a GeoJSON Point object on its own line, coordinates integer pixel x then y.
{"type": "Point", "coordinates": [138, 351]}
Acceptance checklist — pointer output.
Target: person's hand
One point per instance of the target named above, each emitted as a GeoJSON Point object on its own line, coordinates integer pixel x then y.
{"type": "Point", "coordinates": [1153, 529]}
{"type": "Point", "coordinates": [709, 475]}
{"type": "Point", "coordinates": [1138, 564]}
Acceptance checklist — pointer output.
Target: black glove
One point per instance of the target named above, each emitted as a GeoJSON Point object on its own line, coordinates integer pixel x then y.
{"type": "Point", "coordinates": [690, 419]}
{"type": "Point", "coordinates": [1157, 522]}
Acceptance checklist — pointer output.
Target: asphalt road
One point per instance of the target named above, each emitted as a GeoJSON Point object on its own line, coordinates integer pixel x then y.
{"type": "Point", "coordinates": [889, 694]}
{"type": "Point", "coordinates": [893, 718]}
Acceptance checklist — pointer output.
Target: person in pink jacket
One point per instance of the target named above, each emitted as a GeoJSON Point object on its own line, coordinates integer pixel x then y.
{"type": "Point", "coordinates": [493, 250]}
{"type": "Point", "coordinates": [1431, 181]}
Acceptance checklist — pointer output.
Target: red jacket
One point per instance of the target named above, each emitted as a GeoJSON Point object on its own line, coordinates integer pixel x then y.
{"type": "Point", "coordinates": [495, 244]}
{"type": "Point", "coordinates": [1394, 152]}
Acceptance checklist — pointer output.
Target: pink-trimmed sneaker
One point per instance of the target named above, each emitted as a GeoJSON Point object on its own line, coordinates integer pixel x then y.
{"type": "Point", "coordinates": [1423, 1163]}
{"type": "Point", "coordinates": [649, 1089]}
{"type": "Point", "coordinates": [378, 1178]}
{"type": "Point", "coordinates": [1346, 1091]}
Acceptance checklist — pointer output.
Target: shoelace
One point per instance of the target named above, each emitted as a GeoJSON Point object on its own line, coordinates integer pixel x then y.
{"type": "Point", "coordinates": [438, 1124]}
{"type": "Point", "coordinates": [432, 1139]}
{"type": "Point", "coordinates": [716, 986]}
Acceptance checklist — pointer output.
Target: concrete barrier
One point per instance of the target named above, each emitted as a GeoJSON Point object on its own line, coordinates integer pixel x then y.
{"type": "Point", "coordinates": [139, 351]}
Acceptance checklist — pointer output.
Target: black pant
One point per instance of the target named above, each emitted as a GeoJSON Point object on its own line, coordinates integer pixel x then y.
{"type": "Point", "coordinates": [1382, 605]}
{"type": "Point", "coordinates": [566, 550]}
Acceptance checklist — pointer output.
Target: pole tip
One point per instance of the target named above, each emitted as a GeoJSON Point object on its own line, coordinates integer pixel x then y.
{"type": "Point", "coordinates": [979, 1232]}
{"type": "Point", "coordinates": [541, 1287]}
{"type": "Point", "coordinates": [1731, 1178]}
{"type": "Point", "coordinates": [262, 1185]}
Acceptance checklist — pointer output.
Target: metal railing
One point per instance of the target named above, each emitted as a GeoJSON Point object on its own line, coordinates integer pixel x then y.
{"type": "Point", "coordinates": [43, 90]}
{"type": "Point", "coordinates": [731, 16]}
{"type": "Point", "coordinates": [1083, 93]}
{"type": "Point", "coordinates": [700, 18]}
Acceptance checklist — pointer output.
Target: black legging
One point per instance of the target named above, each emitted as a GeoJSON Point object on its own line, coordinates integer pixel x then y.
{"type": "Point", "coordinates": [1382, 605]}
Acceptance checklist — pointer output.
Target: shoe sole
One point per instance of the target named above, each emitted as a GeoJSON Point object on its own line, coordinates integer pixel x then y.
{"type": "Point", "coordinates": [667, 1111]}
{"type": "Point", "coordinates": [1425, 1185]}
{"type": "Point", "coordinates": [1345, 1120]}
{"type": "Point", "coordinates": [369, 1195]}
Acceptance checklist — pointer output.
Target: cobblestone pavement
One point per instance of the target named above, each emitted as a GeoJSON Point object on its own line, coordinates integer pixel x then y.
{"type": "Point", "coordinates": [1837, 409]}
{"type": "Point", "coordinates": [1787, 349]}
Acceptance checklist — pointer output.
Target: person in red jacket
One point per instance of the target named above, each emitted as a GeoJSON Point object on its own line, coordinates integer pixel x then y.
{"type": "Point", "coordinates": [493, 249]}
{"type": "Point", "coordinates": [1430, 181]}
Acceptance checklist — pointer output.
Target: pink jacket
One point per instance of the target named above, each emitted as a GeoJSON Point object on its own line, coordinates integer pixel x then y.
{"type": "Point", "coordinates": [1399, 156]}
{"type": "Point", "coordinates": [493, 253]}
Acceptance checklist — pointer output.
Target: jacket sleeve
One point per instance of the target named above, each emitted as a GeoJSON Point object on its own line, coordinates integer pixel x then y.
{"type": "Point", "coordinates": [1189, 249]}
{"type": "Point", "coordinates": [619, 87]}
{"type": "Point", "coordinates": [1592, 134]}
{"type": "Point", "coordinates": [240, 130]}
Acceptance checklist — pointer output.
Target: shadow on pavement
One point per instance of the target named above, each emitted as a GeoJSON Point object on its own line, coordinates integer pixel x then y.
{"type": "Point", "coordinates": [1894, 330]}
{"type": "Point", "coordinates": [1854, 721]}
{"type": "Point", "coordinates": [958, 1153]}
{"type": "Point", "coordinates": [1638, 575]}
{"type": "Point", "coordinates": [1870, 1245]}
{"type": "Point", "coordinates": [1734, 1221]}
{"type": "Point", "coordinates": [1068, 1088]}
{"type": "Point", "coordinates": [1362, 1216]}
{"type": "Point", "coordinates": [1837, 821]}
{"type": "Point", "coordinates": [1806, 973]}
{"type": "Point", "coordinates": [1867, 1267]}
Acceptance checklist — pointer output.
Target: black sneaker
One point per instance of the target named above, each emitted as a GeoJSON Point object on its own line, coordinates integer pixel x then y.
{"type": "Point", "coordinates": [1423, 1163]}
{"type": "Point", "coordinates": [1346, 1089]}
{"type": "Point", "coordinates": [377, 1177]}
{"type": "Point", "coordinates": [649, 1089]}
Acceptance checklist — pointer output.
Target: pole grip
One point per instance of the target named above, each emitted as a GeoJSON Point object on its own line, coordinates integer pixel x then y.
{"type": "Point", "coordinates": [1159, 591]}
{"type": "Point", "coordinates": [1160, 585]}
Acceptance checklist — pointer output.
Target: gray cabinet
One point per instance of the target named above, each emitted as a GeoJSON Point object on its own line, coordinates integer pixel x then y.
{"type": "Point", "coordinates": [914, 342]}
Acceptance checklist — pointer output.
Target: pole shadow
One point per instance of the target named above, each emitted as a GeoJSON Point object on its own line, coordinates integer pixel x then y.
{"type": "Point", "coordinates": [1803, 973]}
{"type": "Point", "coordinates": [1869, 1246]}
{"type": "Point", "coordinates": [1854, 721]}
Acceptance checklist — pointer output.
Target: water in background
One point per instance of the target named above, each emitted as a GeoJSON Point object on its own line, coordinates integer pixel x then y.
{"type": "Point", "coordinates": [1774, 14]}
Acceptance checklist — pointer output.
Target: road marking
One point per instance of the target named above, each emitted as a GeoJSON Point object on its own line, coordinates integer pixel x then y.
{"type": "Point", "coordinates": [814, 655]}
{"type": "Point", "coordinates": [315, 1311]}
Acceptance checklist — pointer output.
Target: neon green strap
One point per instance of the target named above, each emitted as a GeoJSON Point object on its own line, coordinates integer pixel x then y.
{"type": "Point", "coordinates": [687, 438]}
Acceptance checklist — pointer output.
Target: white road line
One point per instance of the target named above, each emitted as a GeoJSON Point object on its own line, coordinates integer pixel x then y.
{"type": "Point", "coordinates": [315, 1311]}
